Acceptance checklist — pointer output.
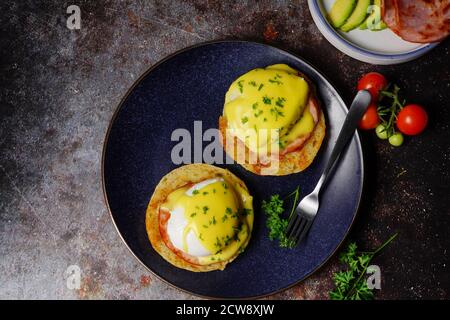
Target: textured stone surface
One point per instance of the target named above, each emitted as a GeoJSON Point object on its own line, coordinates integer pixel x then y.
{"type": "Point", "coordinates": [59, 89]}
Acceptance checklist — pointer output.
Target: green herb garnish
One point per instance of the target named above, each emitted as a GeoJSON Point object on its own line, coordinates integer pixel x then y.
{"type": "Point", "coordinates": [275, 81]}
{"type": "Point", "coordinates": [257, 114]}
{"type": "Point", "coordinates": [280, 102]}
{"type": "Point", "coordinates": [351, 284]}
{"type": "Point", "coordinates": [218, 243]}
{"type": "Point", "coordinates": [276, 112]}
{"type": "Point", "coordinates": [241, 87]}
{"type": "Point", "coordinates": [275, 223]}
{"type": "Point", "coordinates": [266, 100]}
{"type": "Point", "coordinates": [244, 120]}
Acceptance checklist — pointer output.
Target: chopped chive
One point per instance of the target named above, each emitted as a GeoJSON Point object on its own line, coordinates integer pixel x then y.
{"type": "Point", "coordinates": [218, 243]}
{"type": "Point", "coordinates": [280, 102]}
{"type": "Point", "coordinates": [275, 81]}
{"type": "Point", "coordinates": [257, 114]}
{"type": "Point", "coordinates": [267, 100]}
{"type": "Point", "coordinates": [241, 87]}
{"type": "Point", "coordinates": [276, 113]}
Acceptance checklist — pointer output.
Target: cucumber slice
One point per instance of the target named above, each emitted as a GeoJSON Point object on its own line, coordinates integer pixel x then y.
{"type": "Point", "coordinates": [340, 11]}
{"type": "Point", "coordinates": [357, 17]}
{"type": "Point", "coordinates": [373, 18]}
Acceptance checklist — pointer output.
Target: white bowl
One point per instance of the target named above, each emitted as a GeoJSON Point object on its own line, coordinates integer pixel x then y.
{"type": "Point", "coordinates": [375, 47]}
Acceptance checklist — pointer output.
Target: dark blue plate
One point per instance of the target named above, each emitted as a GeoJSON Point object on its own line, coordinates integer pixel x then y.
{"type": "Point", "coordinates": [190, 85]}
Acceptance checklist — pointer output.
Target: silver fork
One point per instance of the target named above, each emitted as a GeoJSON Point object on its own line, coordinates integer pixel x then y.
{"type": "Point", "coordinates": [301, 221]}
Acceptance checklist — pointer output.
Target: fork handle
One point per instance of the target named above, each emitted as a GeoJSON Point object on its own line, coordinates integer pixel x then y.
{"type": "Point", "coordinates": [354, 115]}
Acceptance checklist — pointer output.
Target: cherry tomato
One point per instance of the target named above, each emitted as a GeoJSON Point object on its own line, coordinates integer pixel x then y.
{"type": "Point", "coordinates": [396, 139]}
{"type": "Point", "coordinates": [370, 119]}
{"type": "Point", "coordinates": [412, 119]}
{"type": "Point", "coordinates": [381, 132]}
{"type": "Point", "coordinates": [373, 82]}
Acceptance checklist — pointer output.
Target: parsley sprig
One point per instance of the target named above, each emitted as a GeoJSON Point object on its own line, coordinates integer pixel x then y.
{"type": "Point", "coordinates": [351, 284]}
{"type": "Point", "coordinates": [277, 225]}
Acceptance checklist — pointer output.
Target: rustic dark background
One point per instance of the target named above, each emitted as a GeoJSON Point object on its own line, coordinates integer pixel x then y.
{"type": "Point", "coordinates": [59, 89]}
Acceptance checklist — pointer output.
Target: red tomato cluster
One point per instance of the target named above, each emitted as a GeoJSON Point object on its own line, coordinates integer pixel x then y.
{"type": "Point", "coordinates": [411, 120]}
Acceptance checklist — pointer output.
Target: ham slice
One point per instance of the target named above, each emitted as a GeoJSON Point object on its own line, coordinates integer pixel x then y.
{"type": "Point", "coordinates": [300, 141]}
{"type": "Point", "coordinates": [164, 216]}
{"type": "Point", "coordinates": [419, 21]}
{"type": "Point", "coordinates": [264, 160]}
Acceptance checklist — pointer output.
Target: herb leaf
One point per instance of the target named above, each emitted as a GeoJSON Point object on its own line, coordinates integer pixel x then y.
{"type": "Point", "coordinates": [351, 284]}
{"type": "Point", "coordinates": [275, 223]}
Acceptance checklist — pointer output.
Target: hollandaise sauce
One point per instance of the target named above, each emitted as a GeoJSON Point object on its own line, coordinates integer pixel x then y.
{"type": "Point", "coordinates": [210, 220]}
{"type": "Point", "coordinates": [272, 98]}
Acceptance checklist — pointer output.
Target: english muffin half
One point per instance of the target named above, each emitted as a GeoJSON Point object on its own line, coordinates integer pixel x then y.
{"type": "Point", "coordinates": [272, 123]}
{"type": "Point", "coordinates": [200, 217]}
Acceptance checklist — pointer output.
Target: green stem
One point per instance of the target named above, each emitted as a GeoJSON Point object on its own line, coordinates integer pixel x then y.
{"type": "Point", "coordinates": [385, 244]}
{"type": "Point", "coordinates": [296, 194]}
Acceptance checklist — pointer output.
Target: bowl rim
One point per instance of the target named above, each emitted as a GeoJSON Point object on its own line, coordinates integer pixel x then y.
{"type": "Point", "coordinates": [316, 12]}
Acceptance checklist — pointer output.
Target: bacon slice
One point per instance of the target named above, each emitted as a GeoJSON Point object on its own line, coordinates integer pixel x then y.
{"type": "Point", "coordinates": [419, 21]}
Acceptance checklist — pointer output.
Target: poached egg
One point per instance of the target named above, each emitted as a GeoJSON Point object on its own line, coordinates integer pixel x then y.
{"type": "Point", "coordinates": [209, 220]}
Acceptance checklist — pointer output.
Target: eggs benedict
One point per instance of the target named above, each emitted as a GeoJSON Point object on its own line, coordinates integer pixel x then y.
{"type": "Point", "coordinates": [200, 217]}
{"type": "Point", "coordinates": [272, 116]}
